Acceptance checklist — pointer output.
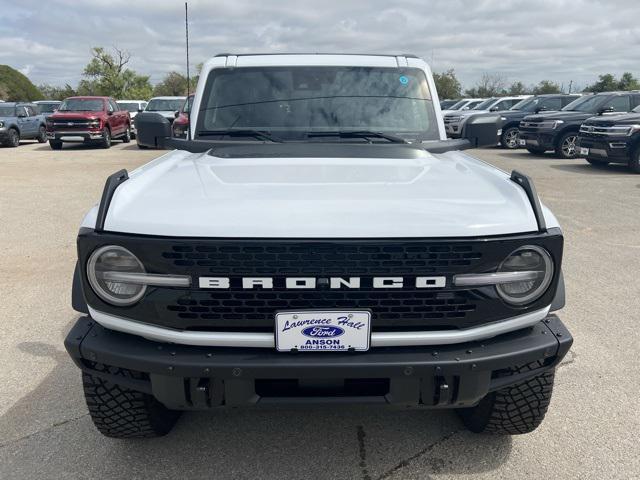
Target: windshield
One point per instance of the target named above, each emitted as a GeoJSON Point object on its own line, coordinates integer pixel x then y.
{"type": "Point", "coordinates": [295, 101]}
{"type": "Point", "coordinates": [7, 111]}
{"type": "Point", "coordinates": [81, 105]}
{"type": "Point", "coordinates": [458, 105]}
{"type": "Point", "coordinates": [526, 105]}
{"type": "Point", "coordinates": [130, 106]}
{"type": "Point", "coordinates": [588, 104]}
{"type": "Point", "coordinates": [164, 105]}
{"type": "Point", "coordinates": [47, 107]}
{"type": "Point", "coordinates": [485, 104]}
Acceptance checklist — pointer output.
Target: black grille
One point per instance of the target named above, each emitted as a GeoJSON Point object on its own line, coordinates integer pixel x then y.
{"type": "Point", "coordinates": [324, 259]}
{"type": "Point", "coordinates": [388, 306]}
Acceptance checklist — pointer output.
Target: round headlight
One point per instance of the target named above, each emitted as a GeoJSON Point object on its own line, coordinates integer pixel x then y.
{"type": "Point", "coordinates": [533, 260]}
{"type": "Point", "coordinates": [106, 261]}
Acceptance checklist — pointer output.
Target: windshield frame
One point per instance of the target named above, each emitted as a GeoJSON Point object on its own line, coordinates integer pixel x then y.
{"type": "Point", "coordinates": [303, 132]}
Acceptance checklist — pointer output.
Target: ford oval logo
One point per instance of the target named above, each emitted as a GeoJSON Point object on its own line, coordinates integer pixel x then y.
{"type": "Point", "coordinates": [322, 332]}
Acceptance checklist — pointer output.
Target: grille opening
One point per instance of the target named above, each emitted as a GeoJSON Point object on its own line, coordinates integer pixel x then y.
{"type": "Point", "coordinates": [322, 387]}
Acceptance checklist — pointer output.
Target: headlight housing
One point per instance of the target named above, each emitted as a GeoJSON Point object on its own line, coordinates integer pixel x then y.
{"type": "Point", "coordinates": [115, 259]}
{"type": "Point", "coordinates": [532, 259]}
{"type": "Point", "coordinates": [552, 124]}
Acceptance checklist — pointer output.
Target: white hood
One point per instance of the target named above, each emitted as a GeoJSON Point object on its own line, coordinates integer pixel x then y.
{"type": "Point", "coordinates": [200, 195]}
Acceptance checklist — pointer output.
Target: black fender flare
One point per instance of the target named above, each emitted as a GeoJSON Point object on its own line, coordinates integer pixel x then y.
{"type": "Point", "coordinates": [559, 300]}
{"type": "Point", "coordinates": [78, 301]}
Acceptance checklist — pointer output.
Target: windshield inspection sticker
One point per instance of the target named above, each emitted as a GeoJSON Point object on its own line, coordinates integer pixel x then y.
{"type": "Point", "coordinates": [404, 80]}
{"type": "Point", "coordinates": [321, 331]}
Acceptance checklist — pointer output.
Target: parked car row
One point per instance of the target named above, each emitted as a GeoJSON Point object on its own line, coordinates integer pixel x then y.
{"type": "Point", "coordinates": [455, 120]}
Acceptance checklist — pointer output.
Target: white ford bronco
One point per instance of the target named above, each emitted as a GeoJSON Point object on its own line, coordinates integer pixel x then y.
{"type": "Point", "coordinates": [316, 238]}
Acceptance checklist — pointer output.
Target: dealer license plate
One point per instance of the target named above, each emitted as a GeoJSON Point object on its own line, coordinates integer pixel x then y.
{"type": "Point", "coordinates": [584, 151]}
{"type": "Point", "coordinates": [314, 330]}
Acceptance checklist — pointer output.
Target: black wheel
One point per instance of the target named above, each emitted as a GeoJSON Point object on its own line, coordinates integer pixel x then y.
{"type": "Point", "coordinates": [13, 139]}
{"type": "Point", "coordinates": [55, 144]}
{"type": "Point", "coordinates": [509, 138]}
{"type": "Point", "coordinates": [118, 412]}
{"type": "Point", "coordinates": [42, 134]}
{"type": "Point", "coordinates": [566, 146]}
{"type": "Point", "coordinates": [634, 161]}
{"type": "Point", "coordinates": [106, 138]}
{"type": "Point", "coordinates": [126, 138]}
{"type": "Point", "coordinates": [513, 410]}
{"type": "Point", "coordinates": [597, 163]}
{"type": "Point", "coordinates": [535, 151]}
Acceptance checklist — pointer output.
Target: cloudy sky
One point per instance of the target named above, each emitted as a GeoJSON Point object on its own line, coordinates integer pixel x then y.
{"type": "Point", "coordinates": [527, 40]}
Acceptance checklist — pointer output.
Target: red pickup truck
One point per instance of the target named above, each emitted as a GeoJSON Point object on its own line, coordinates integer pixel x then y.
{"type": "Point", "coordinates": [88, 120]}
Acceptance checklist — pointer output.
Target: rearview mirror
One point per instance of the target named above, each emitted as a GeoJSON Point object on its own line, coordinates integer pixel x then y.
{"type": "Point", "coordinates": [152, 129]}
{"type": "Point", "coordinates": [481, 130]}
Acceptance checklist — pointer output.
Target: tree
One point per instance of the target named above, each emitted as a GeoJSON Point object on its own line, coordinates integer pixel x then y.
{"type": "Point", "coordinates": [546, 86]}
{"type": "Point", "coordinates": [14, 86]}
{"type": "Point", "coordinates": [107, 74]}
{"type": "Point", "coordinates": [447, 84]}
{"type": "Point", "coordinates": [517, 88]}
{"type": "Point", "coordinates": [628, 82]}
{"type": "Point", "coordinates": [489, 85]}
{"type": "Point", "coordinates": [51, 92]}
{"type": "Point", "coordinates": [608, 83]}
{"type": "Point", "coordinates": [175, 84]}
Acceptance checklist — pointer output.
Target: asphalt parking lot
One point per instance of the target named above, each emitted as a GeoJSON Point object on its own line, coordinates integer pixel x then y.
{"type": "Point", "coordinates": [591, 431]}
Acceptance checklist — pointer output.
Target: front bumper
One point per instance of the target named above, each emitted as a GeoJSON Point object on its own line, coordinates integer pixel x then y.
{"type": "Point", "coordinates": [191, 377]}
{"type": "Point", "coordinates": [537, 139]}
{"type": "Point", "coordinates": [612, 149]}
{"type": "Point", "coordinates": [75, 135]}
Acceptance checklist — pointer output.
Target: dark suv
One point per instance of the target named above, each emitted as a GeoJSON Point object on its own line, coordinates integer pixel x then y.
{"type": "Point", "coordinates": [558, 131]}
{"type": "Point", "coordinates": [508, 134]}
{"type": "Point", "coordinates": [611, 140]}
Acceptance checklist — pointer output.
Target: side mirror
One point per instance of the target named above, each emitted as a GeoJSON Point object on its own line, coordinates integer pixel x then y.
{"type": "Point", "coordinates": [140, 109]}
{"type": "Point", "coordinates": [481, 130]}
{"type": "Point", "coordinates": [606, 110]}
{"type": "Point", "coordinates": [109, 112]}
{"type": "Point", "coordinates": [22, 114]}
{"type": "Point", "coordinates": [152, 129]}
{"type": "Point", "coordinates": [541, 109]}
{"type": "Point", "coordinates": [176, 114]}
{"type": "Point", "coordinates": [493, 109]}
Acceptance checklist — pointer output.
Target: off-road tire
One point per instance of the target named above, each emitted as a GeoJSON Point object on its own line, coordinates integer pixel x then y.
{"type": "Point", "coordinates": [513, 410]}
{"type": "Point", "coordinates": [42, 134]}
{"type": "Point", "coordinates": [118, 412]}
{"type": "Point", "coordinates": [14, 138]}
{"type": "Point", "coordinates": [126, 137]}
{"type": "Point", "coordinates": [509, 138]}
{"type": "Point", "coordinates": [535, 151]}
{"type": "Point", "coordinates": [55, 145]}
{"type": "Point", "coordinates": [634, 160]}
{"type": "Point", "coordinates": [597, 163]}
{"type": "Point", "coordinates": [564, 147]}
{"type": "Point", "coordinates": [106, 138]}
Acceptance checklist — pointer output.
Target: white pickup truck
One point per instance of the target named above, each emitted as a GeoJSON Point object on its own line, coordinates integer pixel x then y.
{"type": "Point", "coordinates": [316, 238]}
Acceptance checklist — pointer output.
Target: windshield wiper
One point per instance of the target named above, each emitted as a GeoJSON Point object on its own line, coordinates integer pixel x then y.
{"type": "Point", "coordinates": [358, 134]}
{"type": "Point", "coordinates": [257, 134]}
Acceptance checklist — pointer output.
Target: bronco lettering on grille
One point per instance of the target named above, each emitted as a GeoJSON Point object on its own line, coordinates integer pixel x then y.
{"type": "Point", "coordinates": [248, 283]}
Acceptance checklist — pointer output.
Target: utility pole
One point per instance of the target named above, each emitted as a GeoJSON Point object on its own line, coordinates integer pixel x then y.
{"type": "Point", "coordinates": [570, 85]}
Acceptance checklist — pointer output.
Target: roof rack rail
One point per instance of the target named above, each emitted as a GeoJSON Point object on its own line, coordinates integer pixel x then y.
{"type": "Point", "coordinates": [110, 186]}
{"type": "Point", "coordinates": [527, 184]}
